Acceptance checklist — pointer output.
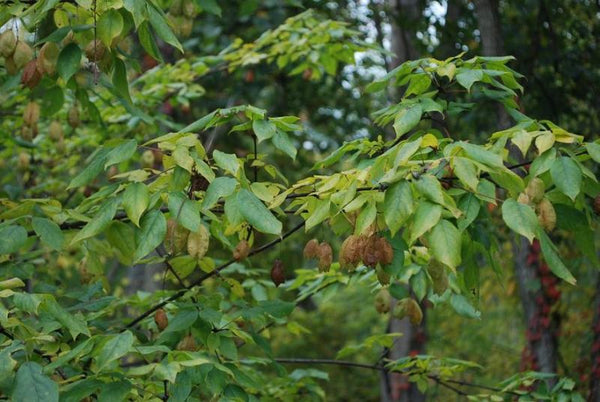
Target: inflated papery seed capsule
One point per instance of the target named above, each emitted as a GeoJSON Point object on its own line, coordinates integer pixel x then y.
{"type": "Point", "coordinates": [27, 133]}
{"type": "Point", "coordinates": [176, 237]}
{"type": "Point", "coordinates": [197, 242]}
{"type": "Point", "coordinates": [147, 159]}
{"type": "Point", "coordinates": [47, 58]}
{"type": "Point", "coordinates": [31, 114]}
{"type": "Point", "coordinates": [408, 307]}
{"type": "Point", "coordinates": [31, 76]}
{"type": "Point", "coordinates": [350, 253]}
{"type": "Point", "coordinates": [383, 301]}
{"type": "Point", "coordinates": [535, 190]}
{"type": "Point", "coordinates": [73, 117]}
{"type": "Point", "coordinates": [382, 276]}
{"type": "Point", "coordinates": [438, 275]}
{"type": "Point", "coordinates": [311, 249]}
{"type": "Point", "coordinates": [524, 199]}
{"type": "Point", "coordinates": [22, 55]}
{"type": "Point", "coordinates": [277, 273]}
{"type": "Point", "coordinates": [8, 42]}
{"type": "Point", "coordinates": [371, 253]}
{"type": "Point", "coordinates": [325, 254]}
{"type": "Point", "coordinates": [546, 215]}
{"type": "Point", "coordinates": [387, 252]}
{"type": "Point", "coordinates": [161, 319]}
{"type": "Point", "coordinates": [188, 343]}
{"type": "Point", "coordinates": [189, 9]}
{"type": "Point", "coordinates": [186, 26]}
{"type": "Point", "coordinates": [95, 50]}
{"type": "Point", "coordinates": [23, 161]}
{"type": "Point", "coordinates": [241, 250]}
{"type": "Point", "coordinates": [55, 131]}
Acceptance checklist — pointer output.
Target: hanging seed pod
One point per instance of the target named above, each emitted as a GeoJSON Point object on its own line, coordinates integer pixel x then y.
{"type": "Point", "coordinates": [176, 238]}
{"type": "Point", "coordinates": [8, 43]}
{"type": "Point", "coordinates": [189, 9]}
{"type": "Point", "coordinates": [535, 190]}
{"type": "Point", "coordinates": [11, 67]}
{"type": "Point", "coordinates": [61, 147]}
{"type": "Point", "coordinates": [176, 7]}
{"type": "Point", "coordinates": [73, 117]}
{"type": "Point", "coordinates": [387, 252]}
{"type": "Point", "coordinates": [31, 76]}
{"type": "Point", "coordinates": [325, 254]}
{"type": "Point", "coordinates": [408, 307]}
{"type": "Point", "coordinates": [27, 133]}
{"type": "Point", "coordinates": [186, 26]}
{"type": "Point", "coordinates": [161, 319]}
{"type": "Point", "coordinates": [383, 301]}
{"type": "Point", "coordinates": [55, 131]}
{"type": "Point", "coordinates": [277, 273]}
{"type": "Point", "coordinates": [438, 275]}
{"type": "Point", "coordinates": [188, 343]}
{"type": "Point", "coordinates": [311, 249]}
{"type": "Point", "coordinates": [31, 114]}
{"type": "Point", "coordinates": [597, 205]}
{"type": "Point", "coordinates": [371, 253]}
{"type": "Point", "coordinates": [147, 159]}
{"type": "Point", "coordinates": [350, 252]}
{"type": "Point", "coordinates": [546, 215]}
{"type": "Point", "coordinates": [197, 242]}
{"type": "Point", "coordinates": [382, 276]}
{"type": "Point", "coordinates": [22, 55]}
{"type": "Point", "coordinates": [47, 58]}
{"type": "Point", "coordinates": [241, 250]}
{"type": "Point", "coordinates": [524, 199]}
{"type": "Point", "coordinates": [95, 50]}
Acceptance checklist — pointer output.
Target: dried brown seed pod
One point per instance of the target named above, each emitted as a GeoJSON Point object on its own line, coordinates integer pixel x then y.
{"type": "Point", "coordinates": [387, 252]}
{"type": "Point", "coordinates": [524, 199]}
{"type": "Point", "coordinates": [31, 114]}
{"type": "Point", "coordinates": [8, 43]}
{"type": "Point", "coordinates": [383, 301]}
{"type": "Point", "coordinates": [408, 307]}
{"type": "Point", "coordinates": [147, 159]}
{"type": "Point", "coordinates": [535, 190]}
{"type": "Point", "coordinates": [371, 253]}
{"type": "Point", "coordinates": [325, 254]}
{"type": "Point", "coordinates": [382, 276]}
{"type": "Point", "coordinates": [161, 319]}
{"type": "Point", "coordinates": [241, 250]}
{"type": "Point", "coordinates": [546, 215]}
{"type": "Point", "coordinates": [197, 242]}
{"type": "Point", "coordinates": [95, 50]}
{"type": "Point", "coordinates": [73, 117]}
{"type": "Point", "coordinates": [277, 273]}
{"type": "Point", "coordinates": [311, 249]}
{"type": "Point", "coordinates": [350, 253]}
{"type": "Point", "coordinates": [23, 161]}
{"type": "Point", "coordinates": [187, 343]}
{"type": "Point", "coordinates": [27, 133]}
{"type": "Point", "coordinates": [31, 76]}
{"type": "Point", "coordinates": [176, 238]}
{"type": "Point", "coordinates": [11, 67]}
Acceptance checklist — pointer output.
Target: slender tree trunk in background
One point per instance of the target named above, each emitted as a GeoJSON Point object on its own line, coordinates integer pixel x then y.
{"type": "Point", "coordinates": [540, 352]}
{"type": "Point", "coordinates": [449, 34]}
{"type": "Point", "coordinates": [595, 355]}
{"type": "Point", "coordinates": [403, 16]}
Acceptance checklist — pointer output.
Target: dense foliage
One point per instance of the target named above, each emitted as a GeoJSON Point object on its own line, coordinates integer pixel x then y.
{"type": "Point", "coordinates": [112, 163]}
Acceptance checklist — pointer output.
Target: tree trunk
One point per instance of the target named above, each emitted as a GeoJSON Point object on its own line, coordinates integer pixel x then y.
{"type": "Point", "coordinates": [595, 355]}
{"type": "Point", "coordinates": [403, 14]}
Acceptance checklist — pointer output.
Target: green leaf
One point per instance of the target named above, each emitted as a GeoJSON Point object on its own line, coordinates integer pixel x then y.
{"type": "Point", "coordinates": [183, 319]}
{"type": "Point", "coordinates": [482, 155]}
{"type": "Point", "coordinates": [109, 26]}
{"type": "Point", "coordinates": [210, 6]}
{"type": "Point", "coordinates": [116, 347]}
{"type": "Point", "coordinates": [566, 175]}
{"type": "Point", "coordinates": [68, 61]}
{"type": "Point", "coordinates": [419, 83]}
{"type": "Point", "coordinates": [135, 201]}
{"type": "Point", "coordinates": [593, 149]}
{"type": "Point", "coordinates": [13, 237]}
{"type": "Point", "coordinates": [277, 308]}
{"type": "Point", "coordinates": [31, 385]}
{"type": "Point", "coordinates": [431, 188]}
{"type": "Point", "coordinates": [147, 40]}
{"type": "Point", "coordinates": [120, 153]}
{"type": "Point", "coordinates": [48, 231]}
{"type": "Point", "coordinates": [160, 25]}
{"type": "Point", "coordinates": [461, 305]}
{"type": "Point", "coordinates": [407, 118]}
{"type": "Point", "coordinates": [99, 222]}
{"type": "Point", "coordinates": [398, 205]}
{"type": "Point", "coordinates": [137, 9]}
{"type": "Point", "coordinates": [220, 187]}
{"type": "Point", "coordinates": [185, 211]}
{"type": "Point", "coordinates": [182, 158]}
{"type": "Point", "coordinates": [122, 237]}
{"type": "Point", "coordinates": [445, 241]}
{"type": "Point", "coordinates": [227, 162]}
{"type": "Point", "coordinates": [257, 215]}
{"type": "Point", "coordinates": [318, 214]}
{"type": "Point", "coordinates": [520, 218]}
{"type": "Point", "coordinates": [73, 324]}
{"type": "Point", "coordinates": [427, 216]}
{"type": "Point", "coordinates": [466, 171]}
{"type": "Point", "coordinates": [119, 79]}
{"type": "Point", "coordinates": [467, 77]}
{"type": "Point", "coordinates": [263, 129]}
{"type": "Point", "coordinates": [552, 258]}
{"type": "Point", "coordinates": [152, 232]}
{"type": "Point", "coordinates": [90, 171]}
{"type": "Point", "coordinates": [283, 143]}
{"type": "Point", "coordinates": [365, 218]}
